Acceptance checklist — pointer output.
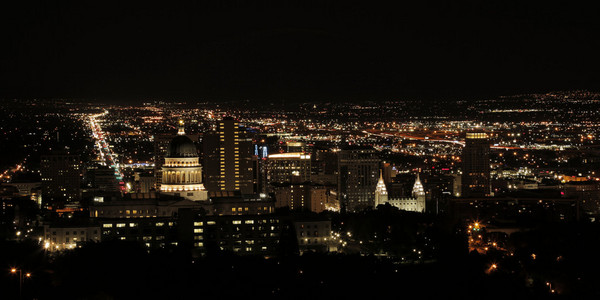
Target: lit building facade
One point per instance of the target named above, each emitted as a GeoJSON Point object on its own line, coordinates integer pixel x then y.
{"type": "Point", "coordinates": [315, 198]}
{"type": "Point", "coordinates": [288, 167]}
{"type": "Point", "coordinates": [415, 203]}
{"type": "Point", "coordinates": [181, 171]}
{"type": "Point", "coordinates": [228, 156]}
{"type": "Point", "coordinates": [57, 237]}
{"type": "Point", "coordinates": [314, 236]}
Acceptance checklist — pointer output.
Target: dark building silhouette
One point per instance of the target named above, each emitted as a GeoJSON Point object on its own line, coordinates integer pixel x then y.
{"type": "Point", "coordinates": [161, 143]}
{"type": "Point", "coordinates": [358, 169]}
{"type": "Point", "coordinates": [61, 176]}
{"type": "Point", "coordinates": [476, 165]}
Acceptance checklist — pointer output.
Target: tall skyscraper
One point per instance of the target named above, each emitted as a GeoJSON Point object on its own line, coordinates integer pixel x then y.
{"type": "Point", "coordinates": [288, 167]}
{"type": "Point", "coordinates": [161, 144]}
{"type": "Point", "coordinates": [228, 159]}
{"type": "Point", "coordinates": [61, 176]}
{"type": "Point", "coordinates": [358, 169]}
{"type": "Point", "coordinates": [475, 179]}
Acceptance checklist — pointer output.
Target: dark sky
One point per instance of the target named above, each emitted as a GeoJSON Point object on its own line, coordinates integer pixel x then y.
{"type": "Point", "coordinates": [295, 50]}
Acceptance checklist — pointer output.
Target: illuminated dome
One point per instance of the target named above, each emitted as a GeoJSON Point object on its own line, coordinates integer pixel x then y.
{"type": "Point", "coordinates": [182, 146]}
{"type": "Point", "coordinates": [182, 172]}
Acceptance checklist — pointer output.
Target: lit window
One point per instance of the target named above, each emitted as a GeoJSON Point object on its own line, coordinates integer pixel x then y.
{"type": "Point", "coordinates": [105, 226]}
{"type": "Point", "coordinates": [120, 225]}
{"type": "Point", "coordinates": [159, 224]}
{"type": "Point", "coordinates": [236, 222]}
{"type": "Point", "coordinates": [198, 223]}
{"type": "Point", "coordinates": [198, 230]}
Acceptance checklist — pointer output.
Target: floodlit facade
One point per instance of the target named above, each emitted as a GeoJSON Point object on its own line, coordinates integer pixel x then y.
{"type": "Point", "coordinates": [415, 203]}
{"type": "Point", "coordinates": [288, 167]}
{"type": "Point", "coordinates": [182, 172]}
{"type": "Point", "coordinates": [58, 237]}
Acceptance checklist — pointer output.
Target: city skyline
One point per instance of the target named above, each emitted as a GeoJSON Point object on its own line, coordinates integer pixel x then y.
{"type": "Point", "coordinates": [299, 150]}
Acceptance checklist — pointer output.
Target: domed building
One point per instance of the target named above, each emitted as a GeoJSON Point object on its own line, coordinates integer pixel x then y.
{"type": "Point", "coordinates": [182, 172]}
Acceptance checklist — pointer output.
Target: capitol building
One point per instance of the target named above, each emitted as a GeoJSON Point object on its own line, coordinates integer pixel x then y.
{"type": "Point", "coordinates": [182, 172]}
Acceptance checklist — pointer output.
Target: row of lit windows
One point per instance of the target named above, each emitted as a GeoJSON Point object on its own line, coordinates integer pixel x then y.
{"type": "Point", "coordinates": [132, 225]}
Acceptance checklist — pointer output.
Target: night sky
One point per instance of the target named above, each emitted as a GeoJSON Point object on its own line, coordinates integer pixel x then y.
{"type": "Point", "coordinates": [295, 50]}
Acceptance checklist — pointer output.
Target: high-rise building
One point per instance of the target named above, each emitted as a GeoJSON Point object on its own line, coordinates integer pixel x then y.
{"type": "Point", "coordinates": [103, 179]}
{"type": "Point", "coordinates": [475, 181]}
{"type": "Point", "coordinates": [358, 168]}
{"type": "Point", "coordinates": [61, 176]}
{"type": "Point", "coordinates": [304, 196]}
{"type": "Point", "coordinates": [161, 144]}
{"type": "Point", "coordinates": [288, 167]}
{"type": "Point", "coordinates": [228, 159]}
{"type": "Point", "coordinates": [324, 166]}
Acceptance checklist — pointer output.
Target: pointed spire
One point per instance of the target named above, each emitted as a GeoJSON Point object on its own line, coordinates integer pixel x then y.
{"type": "Point", "coordinates": [380, 188]}
{"type": "Point", "coordinates": [181, 128]}
{"type": "Point", "coordinates": [418, 189]}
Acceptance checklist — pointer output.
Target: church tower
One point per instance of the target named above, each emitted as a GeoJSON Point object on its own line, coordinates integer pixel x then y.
{"type": "Point", "coordinates": [419, 193]}
{"type": "Point", "coordinates": [381, 194]}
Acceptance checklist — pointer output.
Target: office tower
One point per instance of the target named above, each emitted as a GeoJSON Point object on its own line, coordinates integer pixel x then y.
{"type": "Point", "coordinates": [144, 181]}
{"type": "Point", "coordinates": [103, 179]}
{"type": "Point", "coordinates": [181, 171]}
{"type": "Point", "coordinates": [211, 161]}
{"type": "Point", "coordinates": [161, 143]}
{"type": "Point", "coordinates": [228, 159]}
{"type": "Point", "coordinates": [288, 167]}
{"type": "Point", "coordinates": [61, 176]}
{"type": "Point", "coordinates": [303, 196]}
{"type": "Point", "coordinates": [358, 169]}
{"type": "Point", "coordinates": [475, 179]}
{"type": "Point", "coordinates": [324, 166]}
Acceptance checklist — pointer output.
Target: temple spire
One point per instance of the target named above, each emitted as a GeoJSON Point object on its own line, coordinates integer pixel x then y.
{"type": "Point", "coordinates": [418, 189]}
{"type": "Point", "coordinates": [181, 128]}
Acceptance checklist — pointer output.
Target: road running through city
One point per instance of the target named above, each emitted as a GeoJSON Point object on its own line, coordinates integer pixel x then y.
{"type": "Point", "coordinates": [107, 158]}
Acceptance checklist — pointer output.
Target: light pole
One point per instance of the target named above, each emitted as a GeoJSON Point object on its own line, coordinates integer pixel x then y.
{"type": "Point", "coordinates": [28, 275]}
{"type": "Point", "coordinates": [549, 284]}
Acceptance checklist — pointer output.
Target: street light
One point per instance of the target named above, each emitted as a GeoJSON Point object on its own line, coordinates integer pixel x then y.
{"type": "Point", "coordinates": [27, 274]}
{"type": "Point", "coordinates": [549, 284]}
